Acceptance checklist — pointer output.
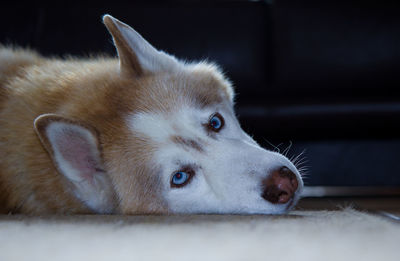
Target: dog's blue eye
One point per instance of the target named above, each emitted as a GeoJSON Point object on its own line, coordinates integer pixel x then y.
{"type": "Point", "coordinates": [180, 178]}
{"type": "Point", "coordinates": [216, 122]}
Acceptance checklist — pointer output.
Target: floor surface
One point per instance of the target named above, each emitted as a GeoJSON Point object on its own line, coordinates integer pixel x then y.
{"type": "Point", "coordinates": [318, 229]}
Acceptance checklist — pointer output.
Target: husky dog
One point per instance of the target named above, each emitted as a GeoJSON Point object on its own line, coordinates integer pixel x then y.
{"type": "Point", "coordinates": [144, 133]}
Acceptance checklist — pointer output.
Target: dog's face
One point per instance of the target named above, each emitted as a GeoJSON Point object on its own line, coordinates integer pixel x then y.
{"type": "Point", "coordinates": [204, 160]}
{"type": "Point", "coordinates": [180, 148]}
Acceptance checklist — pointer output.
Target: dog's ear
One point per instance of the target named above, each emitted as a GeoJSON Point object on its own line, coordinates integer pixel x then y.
{"type": "Point", "coordinates": [75, 151]}
{"type": "Point", "coordinates": [136, 55]}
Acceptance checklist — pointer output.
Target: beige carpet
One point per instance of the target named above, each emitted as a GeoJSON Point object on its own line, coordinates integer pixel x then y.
{"type": "Point", "coordinates": [302, 235]}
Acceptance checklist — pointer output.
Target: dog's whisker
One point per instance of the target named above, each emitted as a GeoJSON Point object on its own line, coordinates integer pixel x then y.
{"type": "Point", "coordinates": [301, 163]}
{"type": "Point", "coordinates": [304, 172]}
{"type": "Point", "coordinates": [298, 157]}
{"type": "Point", "coordinates": [286, 151]}
{"type": "Point", "coordinates": [305, 167]}
{"type": "Point", "coordinates": [276, 148]}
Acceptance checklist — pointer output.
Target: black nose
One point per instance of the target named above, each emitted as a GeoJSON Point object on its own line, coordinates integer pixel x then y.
{"type": "Point", "coordinates": [280, 186]}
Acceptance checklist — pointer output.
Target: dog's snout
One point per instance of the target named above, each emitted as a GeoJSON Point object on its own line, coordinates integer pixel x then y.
{"type": "Point", "coordinates": [280, 186]}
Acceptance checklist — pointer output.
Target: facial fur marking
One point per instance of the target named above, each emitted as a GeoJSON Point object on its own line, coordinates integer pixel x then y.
{"type": "Point", "coordinates": [187, 143]}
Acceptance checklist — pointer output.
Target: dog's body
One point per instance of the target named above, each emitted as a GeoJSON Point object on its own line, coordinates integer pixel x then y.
{"type": "Point", "coordinates": [144, 133]}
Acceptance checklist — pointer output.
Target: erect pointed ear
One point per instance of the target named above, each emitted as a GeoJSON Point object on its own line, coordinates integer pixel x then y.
{"type": "Point", "coordinates": [75, 151]}
{"type": "Point", "coordinates": [136, 55]}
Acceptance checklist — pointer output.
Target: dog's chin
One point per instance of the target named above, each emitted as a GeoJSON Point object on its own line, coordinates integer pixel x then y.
{"type": "Point", "coordinates": [285, 208]}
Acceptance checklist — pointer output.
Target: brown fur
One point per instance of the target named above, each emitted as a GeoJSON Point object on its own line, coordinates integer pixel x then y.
{"type": "Point", "coordinates": [95, 93]}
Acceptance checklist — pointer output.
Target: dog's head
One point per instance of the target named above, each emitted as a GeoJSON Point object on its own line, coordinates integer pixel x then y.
{"type": "Point", "coordinates": [182, 149]}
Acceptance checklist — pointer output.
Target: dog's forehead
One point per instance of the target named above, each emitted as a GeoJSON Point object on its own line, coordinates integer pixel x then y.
{"type": "Point", "coordinates": [200, 85]}
{"type": "Point", "coordinates": [210, 82]}
{"type": "Point", "coordinates": [176, 104]}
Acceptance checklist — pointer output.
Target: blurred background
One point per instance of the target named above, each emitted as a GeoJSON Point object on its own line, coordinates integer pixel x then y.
{"type": "Point", "coordinates": [320, 78]}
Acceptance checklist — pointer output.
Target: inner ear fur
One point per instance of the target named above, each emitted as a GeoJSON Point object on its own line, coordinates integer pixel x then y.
{"type": "Point", "coordinates": [76, 153]}
{"type": "Point", "coordinates": [44, 120]}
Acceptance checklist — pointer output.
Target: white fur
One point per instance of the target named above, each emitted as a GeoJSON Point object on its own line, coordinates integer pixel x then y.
{"type": "Point", "coordinates": [228, 172]}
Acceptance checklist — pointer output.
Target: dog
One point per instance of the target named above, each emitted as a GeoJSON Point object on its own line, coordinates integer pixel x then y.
{"type": "Point", "coordinates": [144, 133]}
